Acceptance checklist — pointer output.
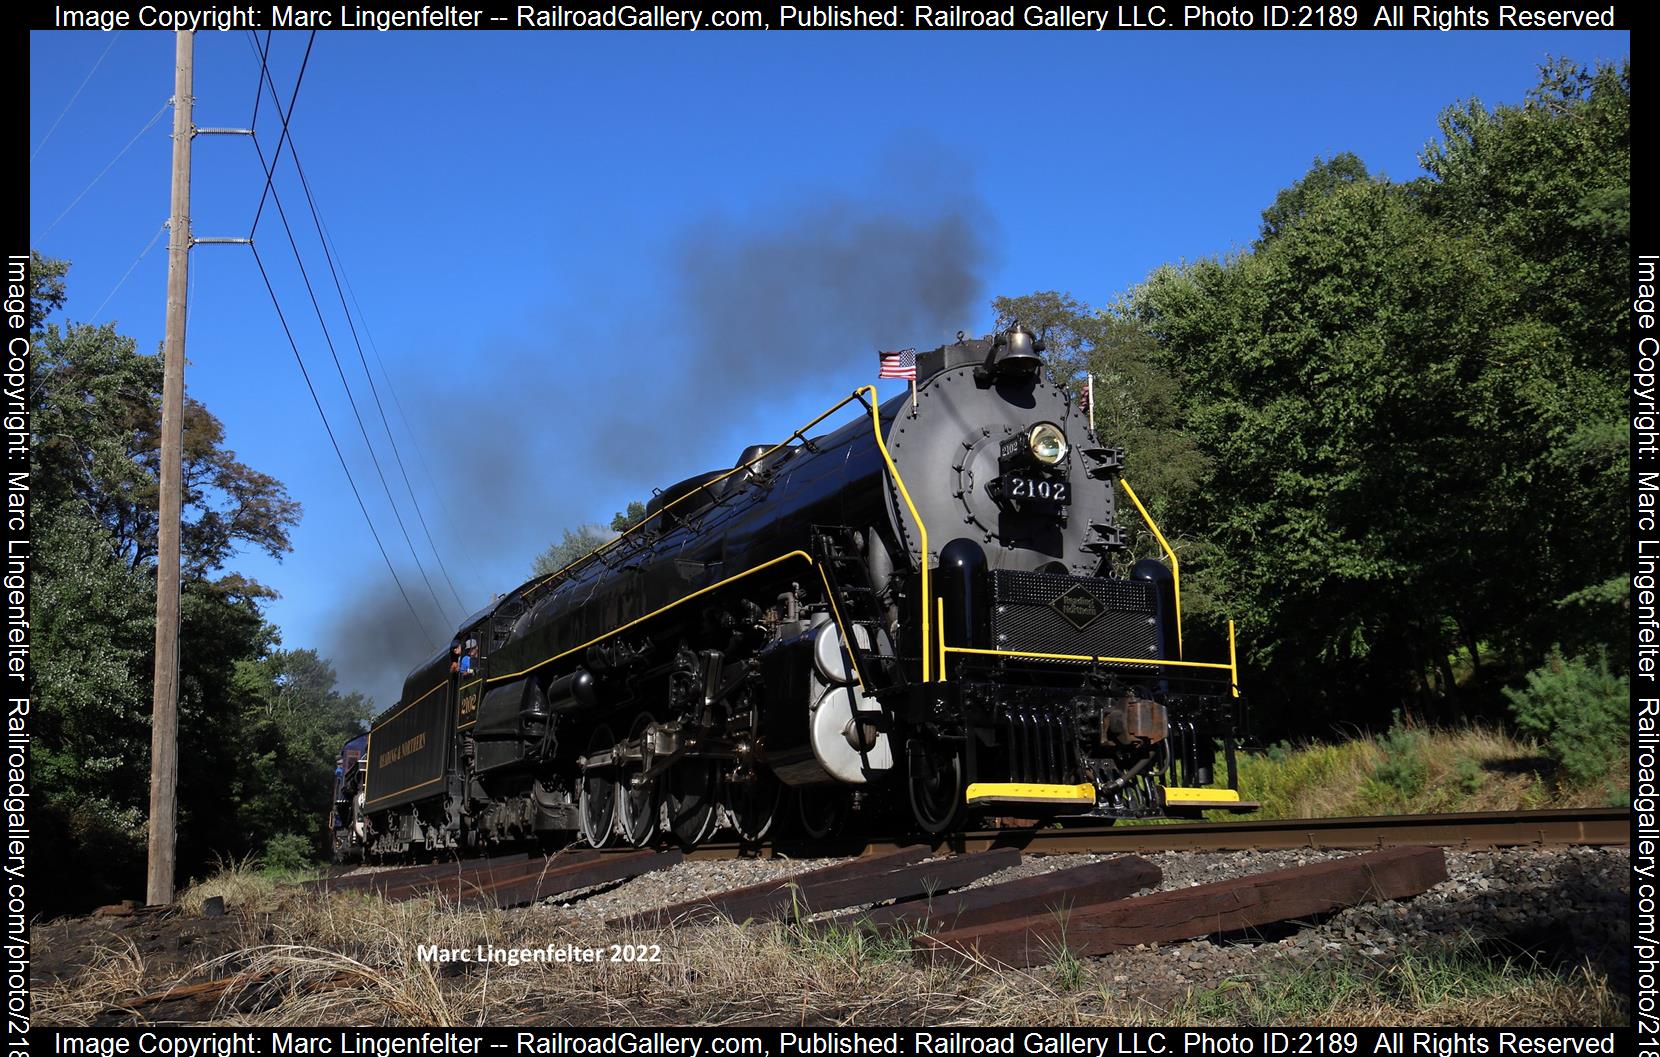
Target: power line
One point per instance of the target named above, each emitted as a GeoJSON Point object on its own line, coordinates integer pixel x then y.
{"type": "Point", "coordinates": [102, 172]}
{"type": "Point", "coordinates": [265, 78]}
{"type": "Point", "coordinates": [271, 173]}
{"type": "Point", "coordinates": [282, 215]}
{"type": "Point", "coordinates": [145, 252]}
{"type": "Point", "coordinates": [292, 344]}
{"type": "Point", "coordinates": [294, 156]}
{"type": "Point", "coordinates": [260, 54]}
{"type": "Point", "coordinates": [65, 111]}
{"type": "Point", "coordinates": [403, 416]}
{"type": "Point", "coordinates": [316, 219]}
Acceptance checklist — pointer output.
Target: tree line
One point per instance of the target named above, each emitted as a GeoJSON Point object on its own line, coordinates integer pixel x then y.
{"type": "Point", "coordinates": [1388, 437]}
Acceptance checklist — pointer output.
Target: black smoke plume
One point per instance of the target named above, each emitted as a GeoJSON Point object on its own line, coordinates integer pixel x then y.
{"type": "Point", "coordinates": [762, 308]}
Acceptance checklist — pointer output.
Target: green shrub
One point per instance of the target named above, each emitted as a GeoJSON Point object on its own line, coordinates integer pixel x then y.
{"type": "Point", "coordinates": [287, 853]}
{"type": "Point", "coordinates": [1404, 769]}
{"type": "Point", "coordinates": [1580, 711]}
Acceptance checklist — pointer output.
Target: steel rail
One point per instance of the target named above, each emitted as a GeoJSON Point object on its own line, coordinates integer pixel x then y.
{"type": "Point", "coordinates": [1469, 830]}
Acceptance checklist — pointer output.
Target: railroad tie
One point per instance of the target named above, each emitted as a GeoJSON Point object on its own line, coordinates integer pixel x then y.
{"type": "Point", "coordinates": [1222, 907]}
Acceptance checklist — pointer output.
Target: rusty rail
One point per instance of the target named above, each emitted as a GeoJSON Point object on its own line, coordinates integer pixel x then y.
{"type": "Point", "coordinates": [1469, 830]}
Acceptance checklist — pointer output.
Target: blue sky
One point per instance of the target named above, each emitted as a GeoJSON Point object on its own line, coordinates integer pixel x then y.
{"type": "Point", "coordinates": [596, 263]}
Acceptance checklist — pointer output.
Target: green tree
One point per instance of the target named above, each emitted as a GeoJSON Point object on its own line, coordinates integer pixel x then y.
{"type": "Point", "coordinates": [1329, 414]}
{"type": "Point", "coordinates": [1545, 187]}
{"type": "Point", "coordinates": [97, 450]}
{"type": "Point", "coordinates": [577, 543]}
{"type": "Point", "coordinates": [46, 288]}
{"type": "Point", "coordinates": [1321, 181]}
{"type": "Point", "coordinates": [1407, 401]}
{"type": "Point", "coordinates": [584, 540]}
{"type": "Point", "coordinates": [623, 520]}
{"type": "Point", "coordinates": [293, 723]}
{"type": "Point", "coordinates": [94, 463]}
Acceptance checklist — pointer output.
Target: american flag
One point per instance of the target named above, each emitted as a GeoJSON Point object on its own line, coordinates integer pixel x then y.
{"type": "Point", "coordinates": [1083, 399]}
{"type": "Point", "coordinates": [899, 364]}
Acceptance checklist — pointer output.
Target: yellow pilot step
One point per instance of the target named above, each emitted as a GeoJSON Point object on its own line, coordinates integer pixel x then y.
{"type": "Point", "coordinates": [1218, 799]}
{"type": "Point", "coordinates": [1030, 793]}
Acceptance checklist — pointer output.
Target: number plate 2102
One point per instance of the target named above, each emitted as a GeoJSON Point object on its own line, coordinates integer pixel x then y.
{"type": "Point", "coordinates": [1041, 489]}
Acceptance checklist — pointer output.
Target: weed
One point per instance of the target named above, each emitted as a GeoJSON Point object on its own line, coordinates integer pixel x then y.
{"type": "Point", "coordinates": [1404, 771]}
{"type": "Point", "coordinates": [1412, 769]}
{"type": "Point", "coordinates": [240, 882]}
{"type": "Point", "coordinates": [854, 946]}
{"type": "Point", "coordinates": [1470, 776]}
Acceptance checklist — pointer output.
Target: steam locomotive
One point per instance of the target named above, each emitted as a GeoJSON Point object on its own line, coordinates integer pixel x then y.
{"type": "Point", "coordinates": [911, 614]}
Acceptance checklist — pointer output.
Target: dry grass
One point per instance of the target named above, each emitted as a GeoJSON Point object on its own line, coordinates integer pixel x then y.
{"type": "Point", "coordinates": [314, 958]}
{"type": "Point", "coordinates": [353, 959]}
{"type": "Point", "coordinates": [112, 975]}
{"type": "Point", "coordinates": [239, 882]}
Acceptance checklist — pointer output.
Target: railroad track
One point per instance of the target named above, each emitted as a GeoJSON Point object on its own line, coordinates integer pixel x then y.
{"type": "Point", "coordinates": [930, 889]}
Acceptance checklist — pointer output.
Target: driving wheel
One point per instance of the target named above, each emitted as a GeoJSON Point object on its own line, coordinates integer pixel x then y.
{"type": "Point", "coordinates": [597, 800]}
{"type": "Point", "coordinates": [822, 811]}
{"type": "Point", "coordinates": [637, 800]}
{"type": "Point", "coordinates": [692, 799]}
{"type": "Point", "coordinates": [754, 804]}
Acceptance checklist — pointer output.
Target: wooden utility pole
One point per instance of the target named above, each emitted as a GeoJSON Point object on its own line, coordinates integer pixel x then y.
{"type": "Point", "coordinates": [164, 717]}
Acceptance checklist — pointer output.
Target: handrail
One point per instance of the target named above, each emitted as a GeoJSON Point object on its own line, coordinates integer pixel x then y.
{"type": "Point", "coordinates": [1233, 661]}
{"type": "Point", "coordinates": [1169, 552]}
{"type": "Point", "coordinates": [858, 394]}
{"type": "Point", "coordinates": [921, 528]}
{"type": "Point", "coordinates": [625, 533]}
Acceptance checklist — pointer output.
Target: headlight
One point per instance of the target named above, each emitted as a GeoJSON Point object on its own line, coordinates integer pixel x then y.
{"type": "Point", "coordinates": [1047, 443]}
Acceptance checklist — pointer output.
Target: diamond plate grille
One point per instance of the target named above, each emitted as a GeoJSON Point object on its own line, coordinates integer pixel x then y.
{"type": "Point", "coordinates": [1024, 615]}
